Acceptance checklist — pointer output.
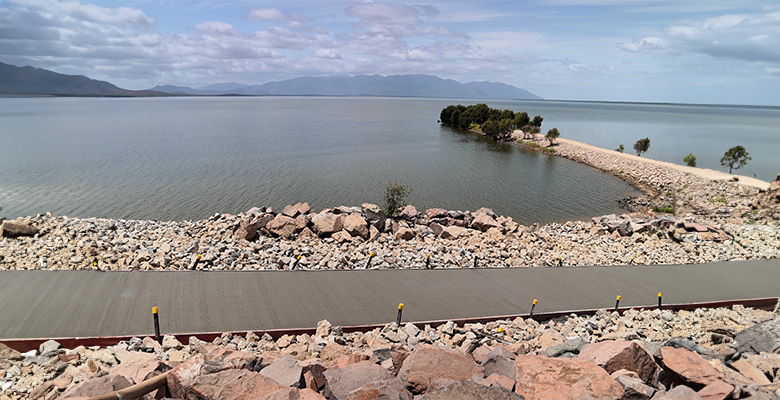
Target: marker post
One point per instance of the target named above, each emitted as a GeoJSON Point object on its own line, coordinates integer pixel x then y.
{"type": "Point", "coordinates": [156, 325]}
{"type": "Point", "coordinates": [400, 311]}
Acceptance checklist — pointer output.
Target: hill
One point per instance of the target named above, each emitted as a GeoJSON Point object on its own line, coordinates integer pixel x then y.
{"type": "Point", "coordinates": [37, 81]}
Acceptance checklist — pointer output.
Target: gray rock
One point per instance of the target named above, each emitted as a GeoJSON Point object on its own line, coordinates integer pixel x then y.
{"type": "Point", "coordinates": [469, 390]}
{"type": "Point", "coordinates": [286, 371]}
{"type": "Point", "coordinates": [634, 388]}
{"type": "Point", "coordinates": [374, 215]}
{"type": "Point", "coordinates": [687, 344]}
{"type": "Point", "coordinates": [763, 337]}
{"type": "Point", "coordinates": [17, 228]}
{"type": "Point", "coordinates": [572, 346]}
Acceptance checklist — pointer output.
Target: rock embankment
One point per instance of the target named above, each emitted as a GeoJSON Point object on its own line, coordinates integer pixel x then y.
{"type": "Point", "coordinates": [706, 353]}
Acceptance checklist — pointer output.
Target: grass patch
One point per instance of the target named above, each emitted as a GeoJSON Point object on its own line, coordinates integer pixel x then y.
{"type": "Point", "coordinates": [720, 199]}
{"type": "Point", "coordinates": [664, 209]}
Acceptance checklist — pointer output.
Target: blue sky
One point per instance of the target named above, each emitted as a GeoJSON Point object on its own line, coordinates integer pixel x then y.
{"type": "Point", "coordinates": [694, 51]}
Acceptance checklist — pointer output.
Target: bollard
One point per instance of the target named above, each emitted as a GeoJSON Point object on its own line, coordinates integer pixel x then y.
{"type": "Point", "coordinates": [370, 257]}
{"type": "Point", "coordinates": [533, 305]}
{"type": "Point", "coordinates": [617, 303]}
{"type": "Point", "coordinates": [560, 262]}
{"type": "Point", "coordinates": [196, 262]}
{"type": "Point", "coordinates": [476, 259]}
{"type": "Point", "coordinates": [427, 261]}
{"type": "Point", "coordinates": [632, 260]}
{"type": "Point", "coordinates": [95, 263]}
{"type": "Point", "coordinates": [400, 311]}
{"type": "Point", "coordinates": [156, 325]}
{"type": "Point", "coordinates": [659, 300]}
{"type": "Point", "coordinates": [297, 260]}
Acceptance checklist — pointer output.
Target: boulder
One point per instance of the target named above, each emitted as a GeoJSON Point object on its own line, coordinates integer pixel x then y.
{"type": "Point", "coordinates": [538, 377]}
{"type": "Point", "coordinates": [717, 390]}
{"type": "Point", "coordinates": [409, 213]}
{"type": "Point", "coordinates": [388, 389]}
{"type": "Point", "coordinates": [356, 225]}
{"type": "Point", "coordinates": [428, 363]}
{"type": "Point", "coordinates": [327, 223]}
{"type": "Point", "coordinates": [404, 234]}
{"type": "Point", "coordinates": [282, 226]}
{"type": "Point", "coordinates": [313, 374]}
{"type": "Point", "coordinates": [468, 390]}
{"type": "Point", "coordinates": [679, 393]}
{"type": "Point", "coordinates": [436, 228]}
{"type": "Point", "coordinates": [621, 354]}
{"type": "Point", "coordinates": [290, 211]}
{"type": "Point", "coordinates": [232, 384]}
{"type": "Point", "coordinates": [569, 348]}
{"type": "Point", "coordinates": [688, 366]}
{"type": "Point", "coordinates": [302, 208]}
{"type": "Point", "coordinates": [483, 222]}
{"type": "Point", "coordinates": [763, 337]}
{"type": "Point", "coordinates": [140, 371]}
{"type": "Point", "coordinates": [342, 236]}
{"type": "Point", "coordinates": [452, 232]}
{"type": "Point", "coordinates": [16, 228]}
{"type": "Point", "coordinates": [634, 388]}
{"type": "Point", "coordinates": [374, 215]}
{"type": "Point", "coordinates": [247, 229]}
{"type": "Point", "coordinates": [293, 394]}
{"type": "Point", "coordinates": [750, 372]}
{"type": "Point", "coordinates": [181, 378]}
{"type": "Point", "coordinates": [436, 213]}
{"type": "Point", "coordinates": [499, 364]}
{"type": "Point", "coordinates": [286, 371]}
{"type": "Point", "coordinates": [97, 386]}
{"type": "Point", "coordinates": [340, 382]}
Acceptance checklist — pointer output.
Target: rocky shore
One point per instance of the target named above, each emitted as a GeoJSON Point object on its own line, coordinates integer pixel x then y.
{"type": "Point", "coordinates": [726, 353]}
{"type": "Point", "coordinates": [681, 218]}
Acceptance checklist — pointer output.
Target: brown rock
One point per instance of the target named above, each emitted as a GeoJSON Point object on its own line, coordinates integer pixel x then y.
{"type": "Point", "coordinates": [498, 364]}
{"type": "Point", "coordinates": [97, 386]}
{"type": "Point", "coordinates": [689, 366]}
{"type": "Point", "coordinates": [356, 225]}
{"type": "Point", "coordinates": [404, 234]}
{"type": "Point", "coordinates": [313, 374]}
{"type": "Point", "coordinates": [717, 390]}
{"type": "Point", "coordinates": [679, 393]}
{"type": "Point", "coordinates": [398, 354]}
{"type": "Point", "coordinates": [140, 371]}
{"type": "Point", "coordinates": [181, 378]}
{"type": "Point", "coordinates": [350, 359]}
{"type": "Point", "coordinates": [290, 211]}
{"type": "Point", "coordinates": [16, 228]}
{"type": "Point", "coordinates": [388, 389]}
{"type": "Point", "coordinates": [501, 380]}
{"type": "Point", "coordinates": [342, 236]}
{"type": "Point", "coordinates": [339, 382]}
{"type": "Point", "coordinates": [750, 372]}
{"type": "Point", "coordinates": [483, 222]}
{"type": "Point", "coordinates": [469, 390]}
{"type": "Point", "coordinates": [545, 378]}
{"type": "Point", "coordinates": [332, 351]}
{"type": "Point", "coordinates": [233, 384]}
{"type": "Point", "coordinates": [327, 223]}
{"type": "Point", "coordinates": [621, 354]}
{"type": "Point", "coordinates": [247, 229]}
{"type": "Point", "coordinates": [307, 234]}
{"type": "Point", "coordinates": [286, 371]}
{"type": "Point", "coordinates": [428, 363]}
{"type": "Point", "coordinates": [436, 213]}
{"type": "Point", "coordinates": [283, 226]}
{"type": "Point", "coordinates": [634, 388]}
{"type": "Point", "coordinates": [409, 213]}
{"type": "Point", "coordinates": [436, 228]}
{"type": "Point", "coordinates": [452, 232]}
{"type": "Point", "coordinates": [550, 338]}
{"type": "Point", "coordinates": [293, 394]}
{"type": "Point", "coordinates": [374, 215]}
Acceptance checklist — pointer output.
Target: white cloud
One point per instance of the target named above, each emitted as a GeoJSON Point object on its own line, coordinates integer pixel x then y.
{"type": "Point", "coordinates": [274, 14]}
{"type": "Point", "coordinates": [650, 44]}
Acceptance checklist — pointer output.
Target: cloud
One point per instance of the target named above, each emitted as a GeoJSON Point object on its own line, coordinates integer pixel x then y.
{"type": "Point", "coordinates": [397, 20]}
{"type": "Point", "coordinates": [273, 14]}
{"type": "Point", "coordinates": [650, 44]}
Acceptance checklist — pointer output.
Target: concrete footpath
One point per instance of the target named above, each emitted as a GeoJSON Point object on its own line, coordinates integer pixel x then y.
{"type": "Point", "coordinates": [49, 304]}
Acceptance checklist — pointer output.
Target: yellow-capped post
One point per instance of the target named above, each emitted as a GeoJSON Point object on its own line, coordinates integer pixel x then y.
{"type": "Point", "coordinates": [156, 325]}
{"type": "Point", "coordinates": [660, 295]}
{"type": "Point", "coordinates": [400, 311]}
{"type": "Point", "coordinates": [617, 303]}
{"type": "Point", "coordinates": [533, 305]}
{"type": "Point", "coordinates": [427, 261]}
{"type": "Point", "coordinates": [297, 260]}
{"type": "Point", "coordinates": [370, 257]}
{"type": "Point", "coordinates": [560, 261]}
{"type": "Point", "coordinates": [196, 262]}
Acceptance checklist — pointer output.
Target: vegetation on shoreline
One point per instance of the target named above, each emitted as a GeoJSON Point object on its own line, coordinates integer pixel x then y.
{"type": "Point", "coordinates": [498, 124]}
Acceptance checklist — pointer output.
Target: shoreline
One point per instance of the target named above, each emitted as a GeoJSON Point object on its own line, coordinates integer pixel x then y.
{"type": "Point", "coordinates": [710, 220]}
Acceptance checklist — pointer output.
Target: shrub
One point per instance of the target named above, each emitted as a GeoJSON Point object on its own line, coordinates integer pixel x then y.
{"type": "Point", "coordinates": [690, 160]}
{"type": "Point", "coordinates": [395, 198]}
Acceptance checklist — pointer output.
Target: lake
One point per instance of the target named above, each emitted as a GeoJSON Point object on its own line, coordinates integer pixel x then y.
{"type": "Point", "coordinates": [191, 157]}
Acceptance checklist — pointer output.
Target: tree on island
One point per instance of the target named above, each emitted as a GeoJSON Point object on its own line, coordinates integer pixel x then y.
{"type": "Point", "coordinates": [641, 146]}
{"type": "Point", "coordinates": [690, 160]}
{"type": "Point", "coordinates": [537, 121]}
{"type": "Point", "coordinates": [620, 148]}
{"type": "Point", "coordinates": [498, 124]}
{"type": "Point", "coordinates": [551, 135]}
{"type": "Point", "coordinates": [735, 158]}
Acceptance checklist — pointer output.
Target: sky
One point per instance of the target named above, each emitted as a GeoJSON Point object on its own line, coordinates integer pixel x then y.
{"type": "Point", "coordinates": [691, 51]}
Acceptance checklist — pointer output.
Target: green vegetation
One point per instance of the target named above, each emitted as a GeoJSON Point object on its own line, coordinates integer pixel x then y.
{"type": "Point", "coordinates": [641, 146]}
{"type": "Point", "coordinates": [735, 158]}
{"type": "Point", "coordinates": [721, 199]}
{"type": "Point", "coordinates": [690, 160]}
{"type": "Point", "coordinates": [667, 209]}
{"type": "Point", "coordinates": [551, 135]}
{"type": "Point", "coordinates": [620, 148]}
{"type": "Point", "coordinates": [498, 124]}
{"type": "Point", "coordinates": [395, 198]}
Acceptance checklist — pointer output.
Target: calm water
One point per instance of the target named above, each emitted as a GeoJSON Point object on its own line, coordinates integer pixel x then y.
{"type": "Point", "coordinates": [188, 158]}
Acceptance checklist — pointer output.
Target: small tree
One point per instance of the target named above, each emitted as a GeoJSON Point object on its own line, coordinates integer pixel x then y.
{"type": "Point", "coordinates": [537, 121]}
{"type": "Point", "coordinates": [641, 146]}
{"type": "Point", "coordinates": [395, 198]}
{"type": "Point", "coordinates": [551, 135]}
{"type": "Point", "coordinates": [735, 158]}
{"type": "Point", "coordinates": [690, 160]}
{"type": "Point", "coordinates": [620, 148]}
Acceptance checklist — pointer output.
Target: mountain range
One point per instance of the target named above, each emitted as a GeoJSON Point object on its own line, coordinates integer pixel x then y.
{"type": "Point", "coordinates": [36, 81]}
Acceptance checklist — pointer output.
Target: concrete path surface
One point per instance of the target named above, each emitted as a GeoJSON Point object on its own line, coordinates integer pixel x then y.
{"type": "Point", "coordinates": [49, 304]}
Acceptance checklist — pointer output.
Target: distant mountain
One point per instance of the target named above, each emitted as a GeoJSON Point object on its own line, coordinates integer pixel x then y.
{"type": "Point", "coordinates": [36, 81]}
{"type": "Point", "coordinates": [366, 85]}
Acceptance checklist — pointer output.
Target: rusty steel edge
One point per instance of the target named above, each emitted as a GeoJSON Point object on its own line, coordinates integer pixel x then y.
{"type": "Point", "coordinates": [24, 345]}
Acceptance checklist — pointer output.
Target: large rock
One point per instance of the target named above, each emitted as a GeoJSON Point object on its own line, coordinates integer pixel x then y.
{"type": "Point", "coordinates": [452, 232]}
{"type": "Point", "coordinates": [679, 393]}
{"type": "Point", "coordinates": [621, 354]}
{"type": "Point", "coordinates": [483, 222]}
{"type": "Point", "coordinates": [374, 215]}
{"type": "Point", "coordinates": [436, 213]}
{"type": "Point", "coordinates": [469, 390]}
{"type": "Point", "coordinates": [230, 384]}
{"type": "Point", "coordinates": [283, 226]}
{"type": "Point", "coordinates": [181, 378]}
{"type": "Point", "coordinates": [405, 234]}
{"type": "Point", "coordinates": [388, 389]}
{"type": "Point", "coordinates": [293, 394]}
{"type": "Point", "coordinates": [356, 225]}
{"type": "Point", "coordinates": [327, 223]}
{"type": "Point", "coordinates": [538, 377]}
{"type": "Point", "coordinates": [763, 337]}
{"type": "Point", "coordinates": [340, 382]}
{"type": "Point", "coordinates": [750, 372]}
{"type": "Point", "coordinates": [140, 371]}
{"type": "Point", "coordinates": [97, 386]}
{"type": "Point", "coordinates": [687, 365]}
{"type": "Point", "coordinates": [286, 371]}
{"type": "Point", "coordinates": [634, 388]}
{"type": "Point", "coordinates": [247, 229]}
{"type": "Point", "coordinates": [342, 236]}
{"type": "Point", "coordinates": [499, 364]}
{"type": "Point", "coordinates": [409, 213]}
{"type": "Point", "coordinates": [16, 228]}
{"type": "Point", "coordinates": [717, 390]}
{"type": "Point", "coordinates": [428, 363]}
